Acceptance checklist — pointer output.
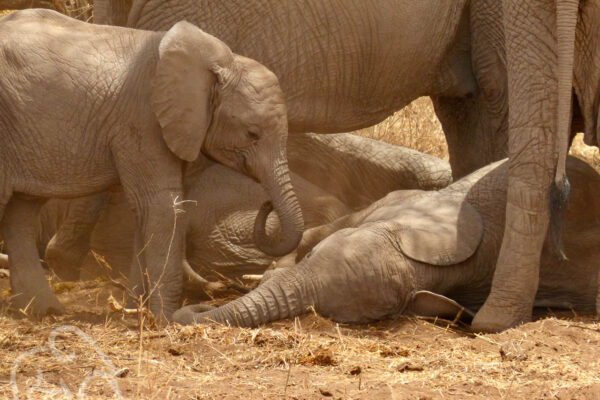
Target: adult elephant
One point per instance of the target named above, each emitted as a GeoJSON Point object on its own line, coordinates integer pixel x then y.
{"type": "Point", "coordinates": [427, 253]}
{"type": "Point", "coordinates": [350, 64]}
{"type": "Point", "coordinates": [540, 45]}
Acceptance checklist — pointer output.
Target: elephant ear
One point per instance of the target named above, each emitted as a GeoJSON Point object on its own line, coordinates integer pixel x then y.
{"type": "Point", "coordinates": [439, 230]}
{"type": "Point", "coordinates": [189, 66]}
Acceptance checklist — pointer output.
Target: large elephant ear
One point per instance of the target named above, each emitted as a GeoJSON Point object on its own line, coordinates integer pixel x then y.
{"type": "Point", "coordinates": [439, 230]}
{"type": "Point", "coordinates": [190, 61]}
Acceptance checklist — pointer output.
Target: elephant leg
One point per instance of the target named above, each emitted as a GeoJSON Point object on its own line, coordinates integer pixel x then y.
{"type": "Point", "coordinates": [30, 290]}
{"type": "Point", "coordinates": [137, 282]}
{"type": "Point", "coordinates": [532, 88]}
{"type": "Point", "coordinates": [476, 126]}
{"type": "Point", "coordinates": [71, 243]}
{"type": "Point", "coordinates": [475, 137]}
{"type": "Point", "coordinates": [159, 254]}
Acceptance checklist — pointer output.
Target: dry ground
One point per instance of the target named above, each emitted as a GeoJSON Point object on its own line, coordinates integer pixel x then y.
{"type": "Point", "coordinates": [94, 351]}
{"type": "Point", "coordinates": [310, 358]}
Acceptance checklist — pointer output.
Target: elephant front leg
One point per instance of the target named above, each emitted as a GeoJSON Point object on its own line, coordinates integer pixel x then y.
{"type": "Point", "coordinates": [30, 290]}
{"type": "Point", "coordinates": [531, 54]}
{"type": "Point", "coordinates": [156, 273]}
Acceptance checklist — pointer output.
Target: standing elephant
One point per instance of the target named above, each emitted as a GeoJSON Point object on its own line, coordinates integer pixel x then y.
{"type": "Point", "coordinates": [547, 44]}
{"type": "Point", "coordinates": [350, 64]}
{"type": "Point", "coordinates": [331, 175]}
{"type": "Point", "coordinates": [84, 107]}
{"type": "Point", "coordinates": [428, 253]}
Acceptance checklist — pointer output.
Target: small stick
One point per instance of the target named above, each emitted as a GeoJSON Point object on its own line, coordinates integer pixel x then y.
{"type": "Point", "coordinates": [231, 283]}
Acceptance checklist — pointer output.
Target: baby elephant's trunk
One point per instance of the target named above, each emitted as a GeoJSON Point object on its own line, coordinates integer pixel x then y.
{"type": "Point", "coordinates": [286, 295]}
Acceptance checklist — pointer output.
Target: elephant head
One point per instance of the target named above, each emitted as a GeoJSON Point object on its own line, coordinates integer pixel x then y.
{"type": "Point", "coordinates": [232, 109]}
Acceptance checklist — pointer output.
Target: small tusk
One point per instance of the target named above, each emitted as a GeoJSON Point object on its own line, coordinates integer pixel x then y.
{"type": "Point", "coordinates": [193, 275]}
{"type": "Point", "coordinates": [3, 261]}
{"type": "Point", "coordinates": [252, 277]}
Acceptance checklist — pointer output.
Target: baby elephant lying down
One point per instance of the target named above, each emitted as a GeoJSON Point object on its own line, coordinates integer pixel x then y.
{"type": "Point", "coordinates": [427, 253]}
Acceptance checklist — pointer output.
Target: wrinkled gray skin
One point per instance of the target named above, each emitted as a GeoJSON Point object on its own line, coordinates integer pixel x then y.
{"type": "Point", "coordinates": [84, 107]}
{"type": "Point", "coordinates": [538, 46]}
{"type": "Point", "coordinates": [350, 64]}
{"type": "Point", "coordinates": [336, 181]}
{"type": "Point", "coordinates": [365, 266]}
{"type": "Point", "coordinates": [552, 50]}
{"type": "Point", "coordinates": [342, 71]}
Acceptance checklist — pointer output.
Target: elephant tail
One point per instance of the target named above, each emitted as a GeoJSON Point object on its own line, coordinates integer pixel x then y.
{"type": "Point", "coordinates": [288, 294]}
{"type": "Point", "coordinates": [566, 23]}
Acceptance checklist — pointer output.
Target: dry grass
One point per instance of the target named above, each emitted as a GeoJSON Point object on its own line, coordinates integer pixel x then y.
{"type": "Point", "coordinates": [308, 358]}
{"type": "Point", "coordinates": [416, 126]}
{"type": "Point", "coordinates": [80, 9]}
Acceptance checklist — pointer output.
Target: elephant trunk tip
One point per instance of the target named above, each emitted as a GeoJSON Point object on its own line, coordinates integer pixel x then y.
{"type": "Point", "coordinates": [290, 236]}
{"type": "Point", "coordinates": [559, 196]}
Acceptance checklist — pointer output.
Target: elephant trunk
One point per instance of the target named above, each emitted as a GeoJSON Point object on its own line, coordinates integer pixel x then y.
{"type": "Point", "coordinates": [278, 185]}
{"type": "Point", "coordinates": [286, 295]}
{"type": "Point", "coordinates": [566, 23]}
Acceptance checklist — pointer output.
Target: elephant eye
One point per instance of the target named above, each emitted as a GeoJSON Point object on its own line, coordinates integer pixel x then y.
{"type": "Point", "coordinates": [253, 136]}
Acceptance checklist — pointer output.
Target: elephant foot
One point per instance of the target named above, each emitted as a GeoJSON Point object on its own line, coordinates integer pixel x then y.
{"type": "Point", "coordinates": [64, 264]}
{"type": "Point", "coordinates": [37, 303]}
{"type": "Point", "coordinates": [495, 318]}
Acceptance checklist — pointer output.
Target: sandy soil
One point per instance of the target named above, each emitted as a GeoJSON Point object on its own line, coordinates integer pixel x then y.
{"type": "Point", "coordinates": [556, 357]}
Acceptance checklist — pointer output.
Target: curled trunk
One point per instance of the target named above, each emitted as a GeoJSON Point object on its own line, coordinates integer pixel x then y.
{"type": "Point", "coordinates": [288, 294]}
{"type": "Point", "coordinates": [284, 202]}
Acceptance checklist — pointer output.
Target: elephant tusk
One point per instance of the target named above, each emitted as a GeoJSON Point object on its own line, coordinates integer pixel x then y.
{"type": "Point", "coordinates": [252, 277]}
{"type": "Point", "coordinates": [3, 261]}
{"type": "Point", "coordinates": [193, 275]}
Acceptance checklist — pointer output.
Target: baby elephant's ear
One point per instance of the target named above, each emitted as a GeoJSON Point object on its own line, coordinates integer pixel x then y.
{"type": "Point", "coordinates": [183, 86]}
{"type": "Point", "coordinates": [439, 230]}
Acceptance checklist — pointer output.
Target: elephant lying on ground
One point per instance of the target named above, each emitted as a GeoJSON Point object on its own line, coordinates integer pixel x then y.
{"type": "Point", "coordinates": [429, 253]}
{"type": "Point", "coordinates": [84, 107]}
{"type": "Point", "coordinates": [333, 175]}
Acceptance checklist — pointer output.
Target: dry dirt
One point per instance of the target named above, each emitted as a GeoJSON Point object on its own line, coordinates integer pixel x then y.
{"type": "Point", "coordinates": [556, 357]}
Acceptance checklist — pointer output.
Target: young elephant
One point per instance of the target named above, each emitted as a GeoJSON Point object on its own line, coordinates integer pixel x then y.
{"type": "Point", "coordinates": [84, 107]}
{"type": "Point", "coordinates": [421, 252]}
